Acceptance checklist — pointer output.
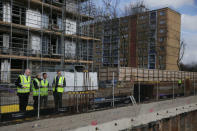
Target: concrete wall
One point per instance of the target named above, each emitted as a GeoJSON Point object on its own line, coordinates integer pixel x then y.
{"type": "Point", "coordinates": [123, 118]}
{"type": "Point", "coordinates": [183, 122]}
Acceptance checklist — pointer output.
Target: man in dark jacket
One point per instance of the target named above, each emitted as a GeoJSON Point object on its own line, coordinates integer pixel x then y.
{"type": "Point", "coordinates": [59, 83]}
{"type": "Point", "coordinates": [23, 89]}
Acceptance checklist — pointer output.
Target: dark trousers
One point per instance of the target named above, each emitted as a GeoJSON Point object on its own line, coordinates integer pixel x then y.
{"type": "Point", "coordinates": [43, 102]}
{"type": "Point", "coordinates": [35, 102]}
{"type": "Point", "coordinates": [57, 100]}
{"type": "Point", "coordinates": [23, 101]}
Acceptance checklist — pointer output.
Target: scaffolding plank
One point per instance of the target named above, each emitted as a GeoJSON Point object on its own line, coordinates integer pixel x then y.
{"type": "Point", "coordinates": [46, 31]}
{"type": "Point", "coordinates": [43, 59]}
{"type": "Point", "coordinates": [39, 2]}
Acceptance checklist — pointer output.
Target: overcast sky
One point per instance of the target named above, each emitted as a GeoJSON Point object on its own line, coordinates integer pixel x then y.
{"type": "Point", "coordinates": [188, 9]}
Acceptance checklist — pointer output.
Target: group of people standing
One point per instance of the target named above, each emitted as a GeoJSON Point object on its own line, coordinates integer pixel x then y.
{"type": "Point", "coordinates": [40, 88]}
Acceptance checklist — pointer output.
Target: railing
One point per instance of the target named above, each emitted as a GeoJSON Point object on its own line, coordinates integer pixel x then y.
{"type": "Point", "coordinates": [78, 97]}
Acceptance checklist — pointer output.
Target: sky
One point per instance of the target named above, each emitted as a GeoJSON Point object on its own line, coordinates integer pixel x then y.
{"type": "Point", "coordinates": [188, 11]}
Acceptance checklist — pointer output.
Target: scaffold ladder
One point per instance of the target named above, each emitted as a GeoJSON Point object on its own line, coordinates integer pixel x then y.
{"type": "Point", "coordinates": [133, 100]}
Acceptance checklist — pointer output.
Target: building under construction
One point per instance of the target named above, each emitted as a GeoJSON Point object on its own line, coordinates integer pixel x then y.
{"type": "Point", "coordinates": [44, 34]}
{"type": "Point", "coordinates": [49, 35]}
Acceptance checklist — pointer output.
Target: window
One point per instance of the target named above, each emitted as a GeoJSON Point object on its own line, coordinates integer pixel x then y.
{"type": "Point", "coordinates": [45, 45]}
{"type": "Point", "coordinates": [98, 60]}
{"type": "Point", "coordinates": [161, 30]}
{"type": "Point", "coordinates": [153, 15]}
{"type": "Point", "coordinates": [125, 21]}
{"type": "Point", "coordinates": [125, 36]}
{"type": "Point", "coordinates": [98, 53]}
{"type": "Point", "coordinates": [162, 66]}
{"type": "Point", "coordinates": [97, 46]}
{"type": "Point", "coordinates": [162, 13]}
{"type": "Point", "coordinates": [45, 21]}
{"type": "Point", "coordinates": [161, 39]}
{"type": "Point", "coordinates": [162, 48]}
{"type": "Point", "coordinates": [162, 22]}
{"type": "Point", "coordinates": [142, 17]}
{"type": "Point", "coordinates": [160, 57]}
{"type": "Point", "coordinates": [125, 29]}
{"type": "Point", "coordinates": [153, 22]}
{"type": "Point", "coordinates": [140, 42]}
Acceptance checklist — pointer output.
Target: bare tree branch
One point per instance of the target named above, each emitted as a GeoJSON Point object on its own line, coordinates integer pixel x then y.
{"type": "Point", "coordinates": [181, 53]}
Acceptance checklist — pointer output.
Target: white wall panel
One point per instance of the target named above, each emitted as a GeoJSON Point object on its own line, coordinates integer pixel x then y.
{"type": "Point", "coordinates": [33, 18]}
{"type": "Point", "coordinates": [70, 26]}
{"type": "Point", "coordinates": [5, 71]}
{"type": "Point", "coordinates": [71, 6]}
{"type": "Point", "coordinates": [6, 40]}
{"type": "Point", "coordinates": [6, 12]}
{"type": "Point", "coordinates": [70, 49]}
{"type": "Point", "coordinates": [76, 81]}
{"type": "Point", "coordinates": [35, 43]}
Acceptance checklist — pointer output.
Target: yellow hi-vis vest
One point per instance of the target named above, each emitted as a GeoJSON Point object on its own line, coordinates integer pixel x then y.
{"type": "Point", "coordinates": [44, 88]}
{"type": "Point", "coordinates": [36, 91]}
{"type": "Point", "coordinates": [25, 83]}
{"type": "Point", "coordinates": [179, 81]}
{"type": "Point", "coordinates": [60, 87]}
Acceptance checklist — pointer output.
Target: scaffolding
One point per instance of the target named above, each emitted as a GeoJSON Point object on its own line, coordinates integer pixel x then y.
{"type": "Point", "coordinates": [38, 34]}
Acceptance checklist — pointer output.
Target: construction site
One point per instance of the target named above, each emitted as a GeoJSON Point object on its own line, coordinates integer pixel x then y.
{"type": "Point", "coordinates": [121, 73]}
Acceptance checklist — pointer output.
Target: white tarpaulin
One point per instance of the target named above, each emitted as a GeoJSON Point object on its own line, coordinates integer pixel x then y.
{"type": "Point", "coordinates": [6, 12]}
{"type": "Point", "coordinates": [69, 24]}
{"type": "Point", "coordinates": [33, 18]}
{"type": "Point", "coordinates": [71, 6]}
{"type": "Point", "coordinates": [70, 49]}
{"type": "Point", "coordinates": [5, 71]}
{"type": "Point", "coordinates": [6, 40]}
{"type": "Point", "coordinates": [77, 81]}
{"type": "Point", "coordinates": [35, 44]}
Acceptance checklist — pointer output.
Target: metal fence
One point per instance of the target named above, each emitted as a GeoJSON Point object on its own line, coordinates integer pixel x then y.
{"type": "Point", "coordinates": [110, 94]}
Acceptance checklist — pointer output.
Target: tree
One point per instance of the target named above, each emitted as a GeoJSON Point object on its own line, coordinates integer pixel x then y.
{"type": "Point", "coordinates": [134, 9]}
{"type": "Point", "coordinates": [181, 52]}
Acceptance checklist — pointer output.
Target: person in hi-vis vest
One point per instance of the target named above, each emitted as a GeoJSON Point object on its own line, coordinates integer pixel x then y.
{"type": "Point", "coordinates": [23, 89]}
{"type": "Point", "coordinates": [59, 83]}
{"type": "Point", "coordinates": [36, 90]}
{"type": "Point", "coordinates": [179, 83]}
{"type": "Point", "coordinates": [44, 90]}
